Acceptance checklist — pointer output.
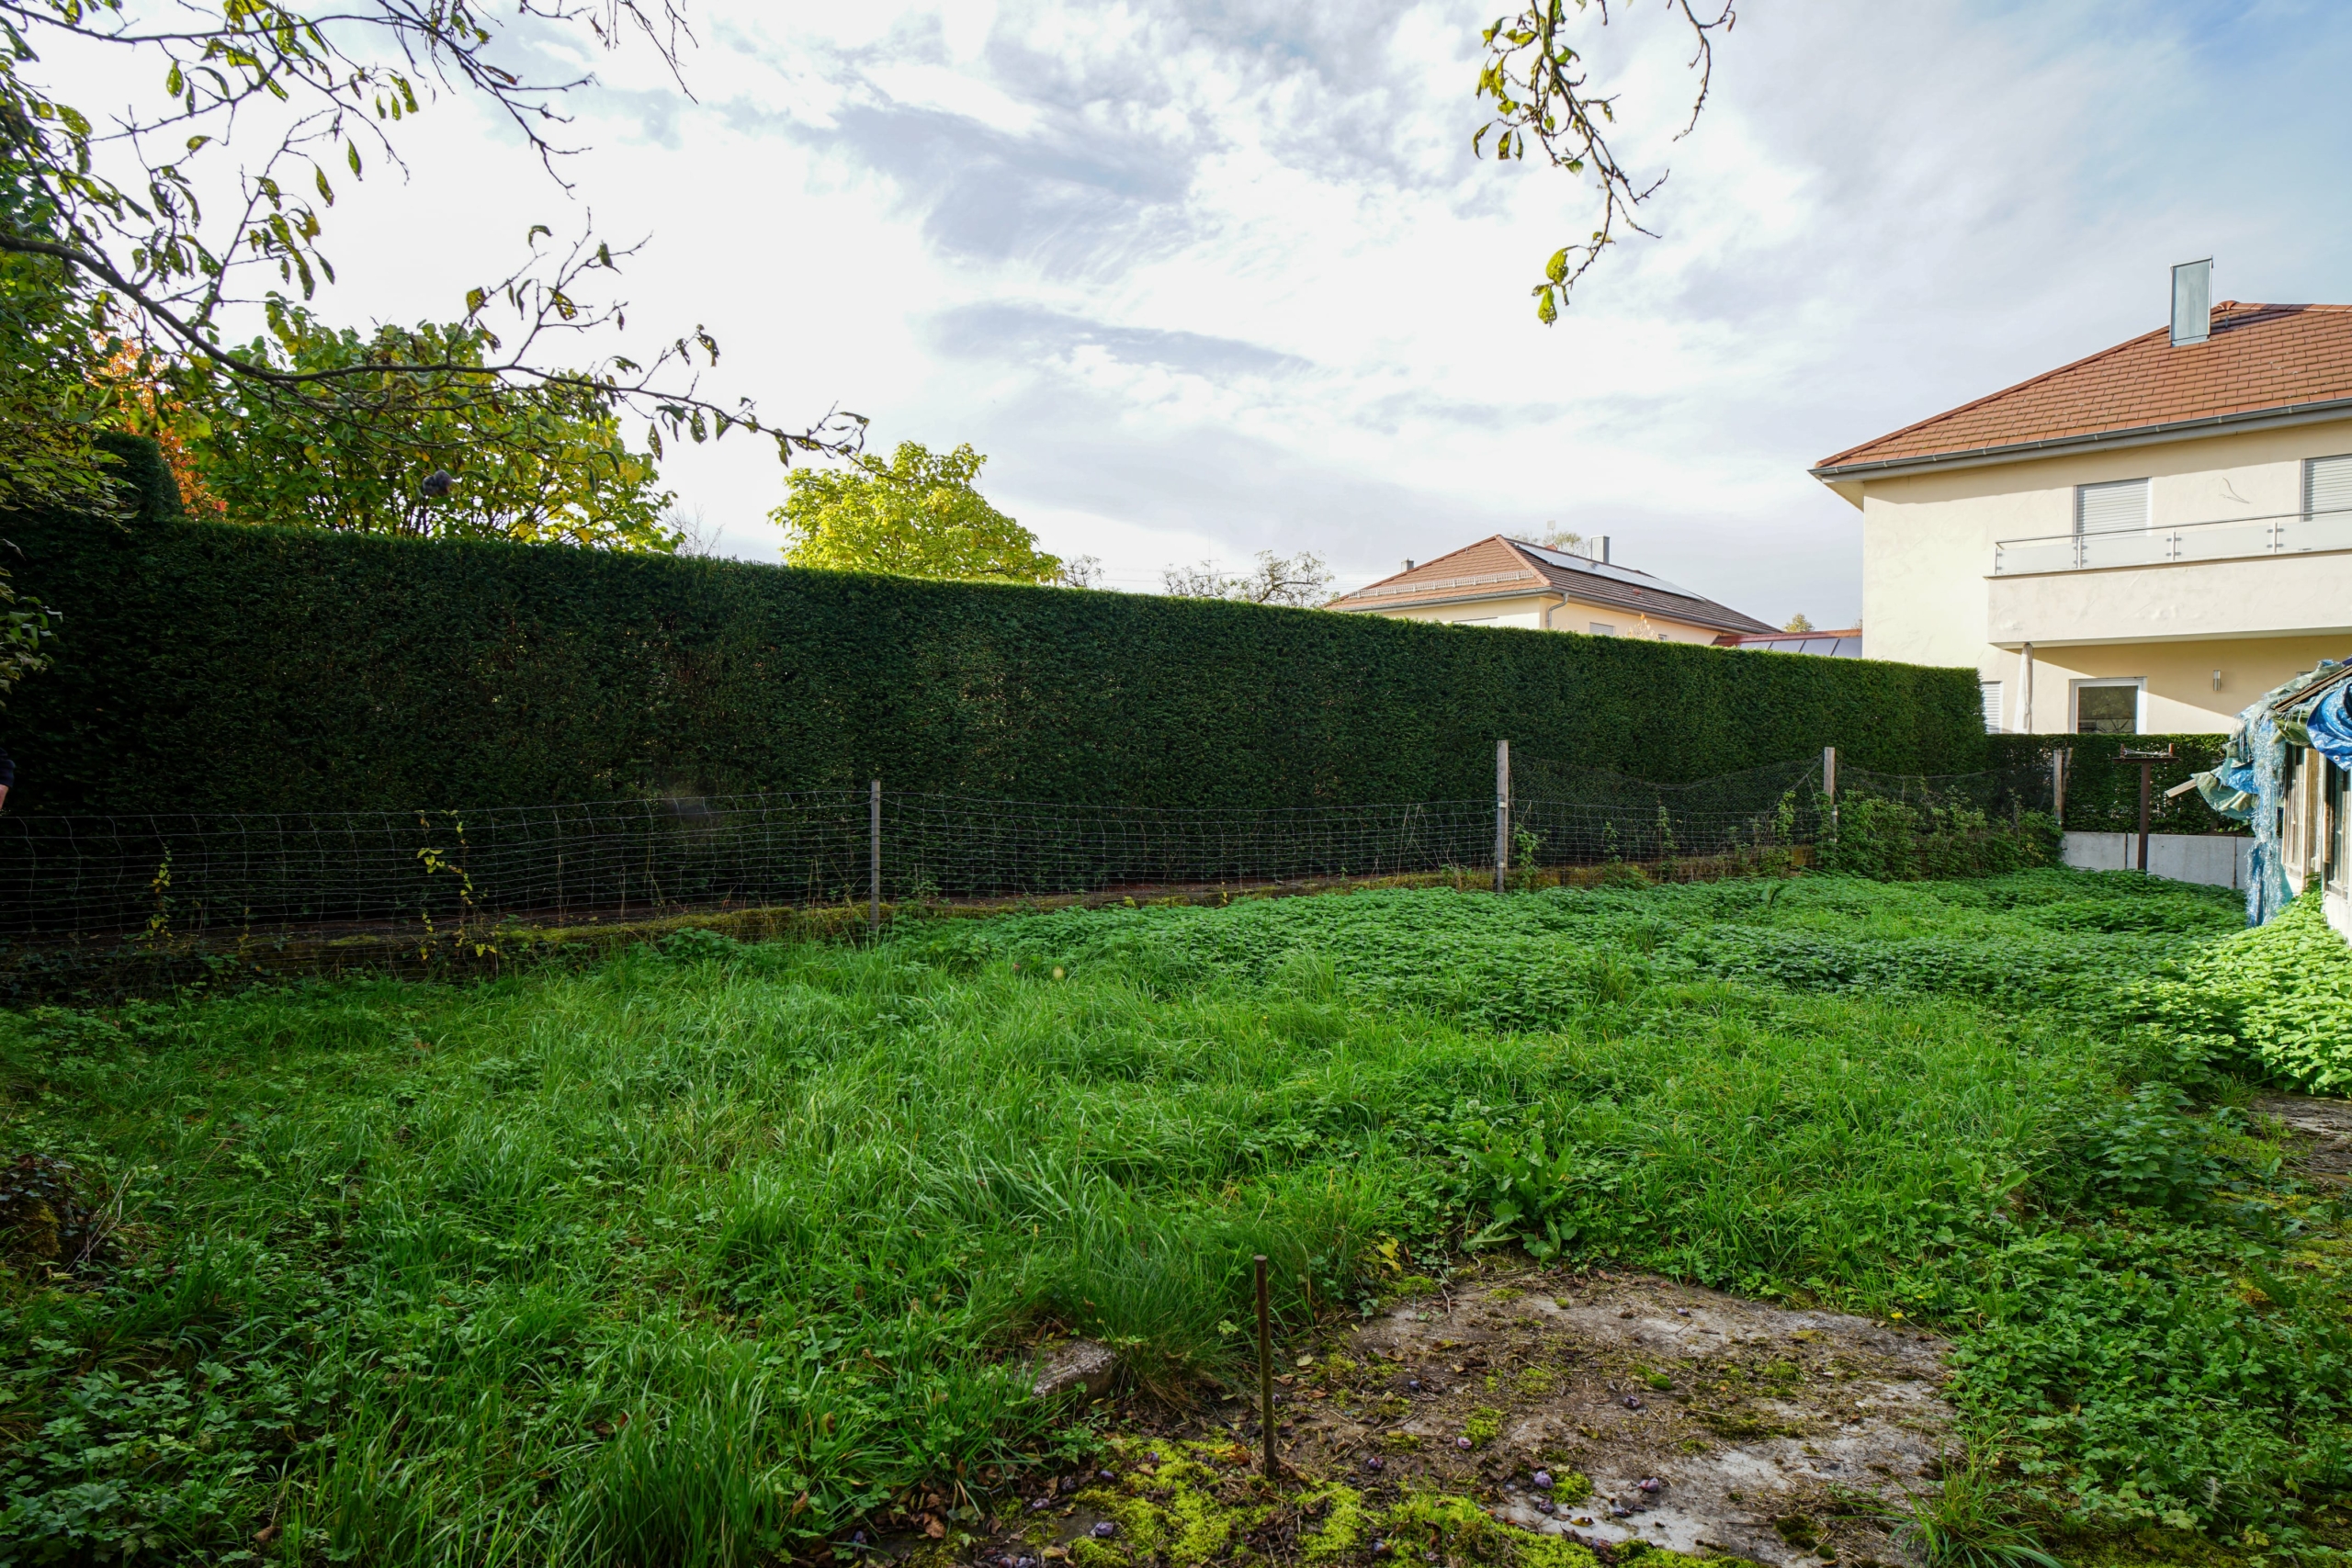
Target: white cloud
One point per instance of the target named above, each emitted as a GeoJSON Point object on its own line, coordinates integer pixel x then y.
{"type": "Point", "coordinates": [1222, 277]}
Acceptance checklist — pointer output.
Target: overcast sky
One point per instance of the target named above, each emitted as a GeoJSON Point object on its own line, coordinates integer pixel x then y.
{"type": "Point", "coordinates": [1203, 277]}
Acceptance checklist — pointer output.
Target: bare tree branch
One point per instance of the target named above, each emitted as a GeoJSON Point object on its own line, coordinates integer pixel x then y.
{"type": "Point", "coordinates": [122, 211]}
{"type": "Point", "coordinates": [1541, 87]}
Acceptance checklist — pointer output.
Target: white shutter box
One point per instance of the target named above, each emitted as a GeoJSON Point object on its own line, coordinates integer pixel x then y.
{"type": "Point", "coordinates": [2111, 508]}
{"type": "Point", "coordinates": [1991, 693]}
{"type": "Point", "coordinates": [2327, 484]}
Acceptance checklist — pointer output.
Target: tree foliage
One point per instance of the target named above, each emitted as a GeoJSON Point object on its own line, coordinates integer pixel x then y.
{"type": "Point", "coordinates": [1301, 581]}
{"type": "Point", "coordinates": [1541, 87]}
{"type": "Point", "coordinates": [25, 625]}
{"type": "Point", "coordinates": [209, 196]}
{"type": "Point", "coordinates": [917, 514]}
{"type": "Point", "coordinates": [472, 458]}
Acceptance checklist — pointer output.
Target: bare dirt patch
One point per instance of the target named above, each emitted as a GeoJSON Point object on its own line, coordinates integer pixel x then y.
{"type": "Point", "coordinates": [1702, 1423]}
{"type": "Point", "coordinates": [1603, 1414]}
{"type": "Point", "coordinates": [2322, 1129]}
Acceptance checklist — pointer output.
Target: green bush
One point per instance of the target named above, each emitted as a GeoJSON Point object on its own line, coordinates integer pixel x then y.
{"type": "Point", "coordinates": [2279, 993]}
{"type": "Point", "coordinates": [2103, 791]}
{"type": "Point", "coordinates": [215, 667]}
{"type": "Point", "coordinates": [1891, 840]}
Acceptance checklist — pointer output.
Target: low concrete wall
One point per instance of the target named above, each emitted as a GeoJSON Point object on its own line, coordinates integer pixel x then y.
{"type": "Point", "coordinates": [2219, 860]}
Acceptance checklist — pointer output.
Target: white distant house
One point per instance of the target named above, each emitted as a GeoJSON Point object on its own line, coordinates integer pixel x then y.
{"type": "Point", "coordinates": [2140, 541]}
{"type": "Point", "coordinates": [1502, 582]}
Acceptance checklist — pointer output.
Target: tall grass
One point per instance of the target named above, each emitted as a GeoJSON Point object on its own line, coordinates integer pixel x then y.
{"type": "Point", "coordinates": [707, 1252]}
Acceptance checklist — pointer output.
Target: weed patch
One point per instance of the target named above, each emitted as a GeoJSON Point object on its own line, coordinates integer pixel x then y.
{"type": "Point", "coordinates": [710, 1253]}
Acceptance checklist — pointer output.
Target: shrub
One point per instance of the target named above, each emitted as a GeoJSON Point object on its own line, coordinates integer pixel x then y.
{"type": "Point", "coordinates": [208, 667]}
{"type": "Point", "coordinates": [1893, 841]}
{"type": "Point", "coordinates": [2280, 993]}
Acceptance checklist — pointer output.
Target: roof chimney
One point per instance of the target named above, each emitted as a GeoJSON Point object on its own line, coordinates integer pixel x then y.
{"type": "Point", "coordinates": [2192, 302]}
{"type": "Point", "coordinates": [1600, 550]}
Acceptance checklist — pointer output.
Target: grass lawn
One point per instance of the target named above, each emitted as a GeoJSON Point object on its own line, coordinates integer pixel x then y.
{"type": "Point", "coordinates": [701, 1256]}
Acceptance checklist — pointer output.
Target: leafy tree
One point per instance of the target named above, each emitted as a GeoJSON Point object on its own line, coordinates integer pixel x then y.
{"type": "Point", "coordinates": [25, 625]}
{"type": "Point", "coordinates": [917, 514]}
{"type": "Point", "coordinates": [1798, 622]}
{"type": "Point", "coordinates": [1301, 581]}
{"type": "Point", "coordinates": [1541, 87]}
{"type": "Point", "coordinates": [540, 463]}
{"type": "Point", "coordinates": [211, 195]}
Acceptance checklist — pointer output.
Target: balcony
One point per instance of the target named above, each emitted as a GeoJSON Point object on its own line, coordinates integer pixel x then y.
{"type": "Point", "coordinates": [2233, 538]}
{"type": "Point", "coordinates": [2248, 577]}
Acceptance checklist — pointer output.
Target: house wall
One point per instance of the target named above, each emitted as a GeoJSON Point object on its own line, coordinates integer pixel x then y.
{"type": "Point", "coordinates": [1546, 612]}
{"type": "Point", "coordinates": [1929, 596]}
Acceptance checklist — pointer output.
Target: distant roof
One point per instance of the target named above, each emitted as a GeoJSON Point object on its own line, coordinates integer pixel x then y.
{"type": "Point", "coordinates": [1499, 565]}
{"type": "Point", "coordinates": [1830, 644]}
{"type": "Point", "coordinates": [2262, 362]}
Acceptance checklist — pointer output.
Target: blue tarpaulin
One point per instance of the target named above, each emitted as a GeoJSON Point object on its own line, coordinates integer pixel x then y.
{"type": "Point", "coordinates": [2250, 784]}
{"type": "Point", "coordinates": [2331, 728]}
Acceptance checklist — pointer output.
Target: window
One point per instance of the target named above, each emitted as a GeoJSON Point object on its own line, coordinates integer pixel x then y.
{"type": "Point", "coordinates": [1602, 628]}
{"type": "Point", "coordinates": [2107, 708]}
{"type": "Point", "coordinates": [2327, 484]}
{"type": "Point", "coordinates": [2116, 508]}
{"type": "Point", "coordinates": [1990, 690]}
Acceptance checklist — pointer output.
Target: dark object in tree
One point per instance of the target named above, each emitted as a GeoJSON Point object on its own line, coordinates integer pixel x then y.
{"type": "Point", "coordinates": [437, 483]}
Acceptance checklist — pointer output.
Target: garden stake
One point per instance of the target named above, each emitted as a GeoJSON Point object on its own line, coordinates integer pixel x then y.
{"type": "Point", "coordinates": [874, 868]}
{"type": "Point", "coordinates": [2147, 761]}
{"type": "Point", "coordinates": [1265, 1371]}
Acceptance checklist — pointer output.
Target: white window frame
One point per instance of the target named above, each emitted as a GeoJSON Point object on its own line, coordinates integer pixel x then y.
{"type": "Point", "coordinates": [1599, 628]}
{"type": "Point", "coordinates": [2139, 684]}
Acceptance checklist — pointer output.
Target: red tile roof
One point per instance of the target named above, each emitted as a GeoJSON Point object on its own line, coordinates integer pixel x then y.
{"type": "Point", "coordinates": [1496, 566]}
{"type": "Point", "coordinates": [2260, 359]}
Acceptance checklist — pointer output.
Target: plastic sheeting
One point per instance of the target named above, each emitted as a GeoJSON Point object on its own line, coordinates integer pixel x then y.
{"type": "Point", "coordinates": [2330, 727]}
{"type": "Point", "coordinates": [2251, 783]}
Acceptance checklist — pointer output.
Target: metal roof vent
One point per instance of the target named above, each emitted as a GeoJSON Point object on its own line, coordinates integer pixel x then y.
{"type": "Point", "coordinates": [2192, 302]}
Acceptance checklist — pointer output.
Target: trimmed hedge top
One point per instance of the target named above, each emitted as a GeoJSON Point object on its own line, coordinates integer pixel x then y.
{"type": "Point", "coordinates": [221, 667]}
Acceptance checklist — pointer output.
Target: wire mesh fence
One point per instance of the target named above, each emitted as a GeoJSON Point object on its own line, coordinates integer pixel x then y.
{"type": "Point", "coordinates": [203, 880]}
{"type": "Point", "coordinates": [1563, 813]}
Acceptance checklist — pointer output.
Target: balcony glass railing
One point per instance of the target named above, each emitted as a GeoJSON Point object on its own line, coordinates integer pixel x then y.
{"type": "Point", "coordinates": [2232, 538]}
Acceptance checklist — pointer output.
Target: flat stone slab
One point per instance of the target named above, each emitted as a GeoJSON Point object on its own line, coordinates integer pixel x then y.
{"type": "Point", "coordinates": [1079, 1365]}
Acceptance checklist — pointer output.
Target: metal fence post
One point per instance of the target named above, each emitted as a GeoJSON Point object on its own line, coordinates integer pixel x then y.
{"type": "Point", "coordinates": [1502, 811]}
{"type": "Point", "coordinates": [874, 867]}
{"type": "Point", "coordinates": [1829, 784]}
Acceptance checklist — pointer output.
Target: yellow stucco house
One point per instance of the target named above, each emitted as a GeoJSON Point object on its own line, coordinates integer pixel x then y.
{"type": "Point", "coordinates": [2139, 542]}
{"type": "Point", "coordinates": [1502, 582]}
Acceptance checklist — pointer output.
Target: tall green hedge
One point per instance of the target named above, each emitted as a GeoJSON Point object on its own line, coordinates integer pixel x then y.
{"type": "Point", "coordinates": [2103, 791]}
{"type": "Point", "coordinates": [212, 668]}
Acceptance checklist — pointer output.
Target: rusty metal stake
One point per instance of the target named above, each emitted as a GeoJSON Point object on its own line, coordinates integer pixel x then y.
{"type": "Point", "coordinates": [1265, 1371]}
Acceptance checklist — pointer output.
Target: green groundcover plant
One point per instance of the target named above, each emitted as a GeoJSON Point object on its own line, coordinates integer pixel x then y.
{"type": "Point", "coordinates": [2277, 999]}
{"type": "Point", "coordinates": [697, 1254]}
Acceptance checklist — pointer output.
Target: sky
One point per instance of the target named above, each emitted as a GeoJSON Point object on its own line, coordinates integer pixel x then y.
{"type": "Point", "coordinates": [1206, 278]}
